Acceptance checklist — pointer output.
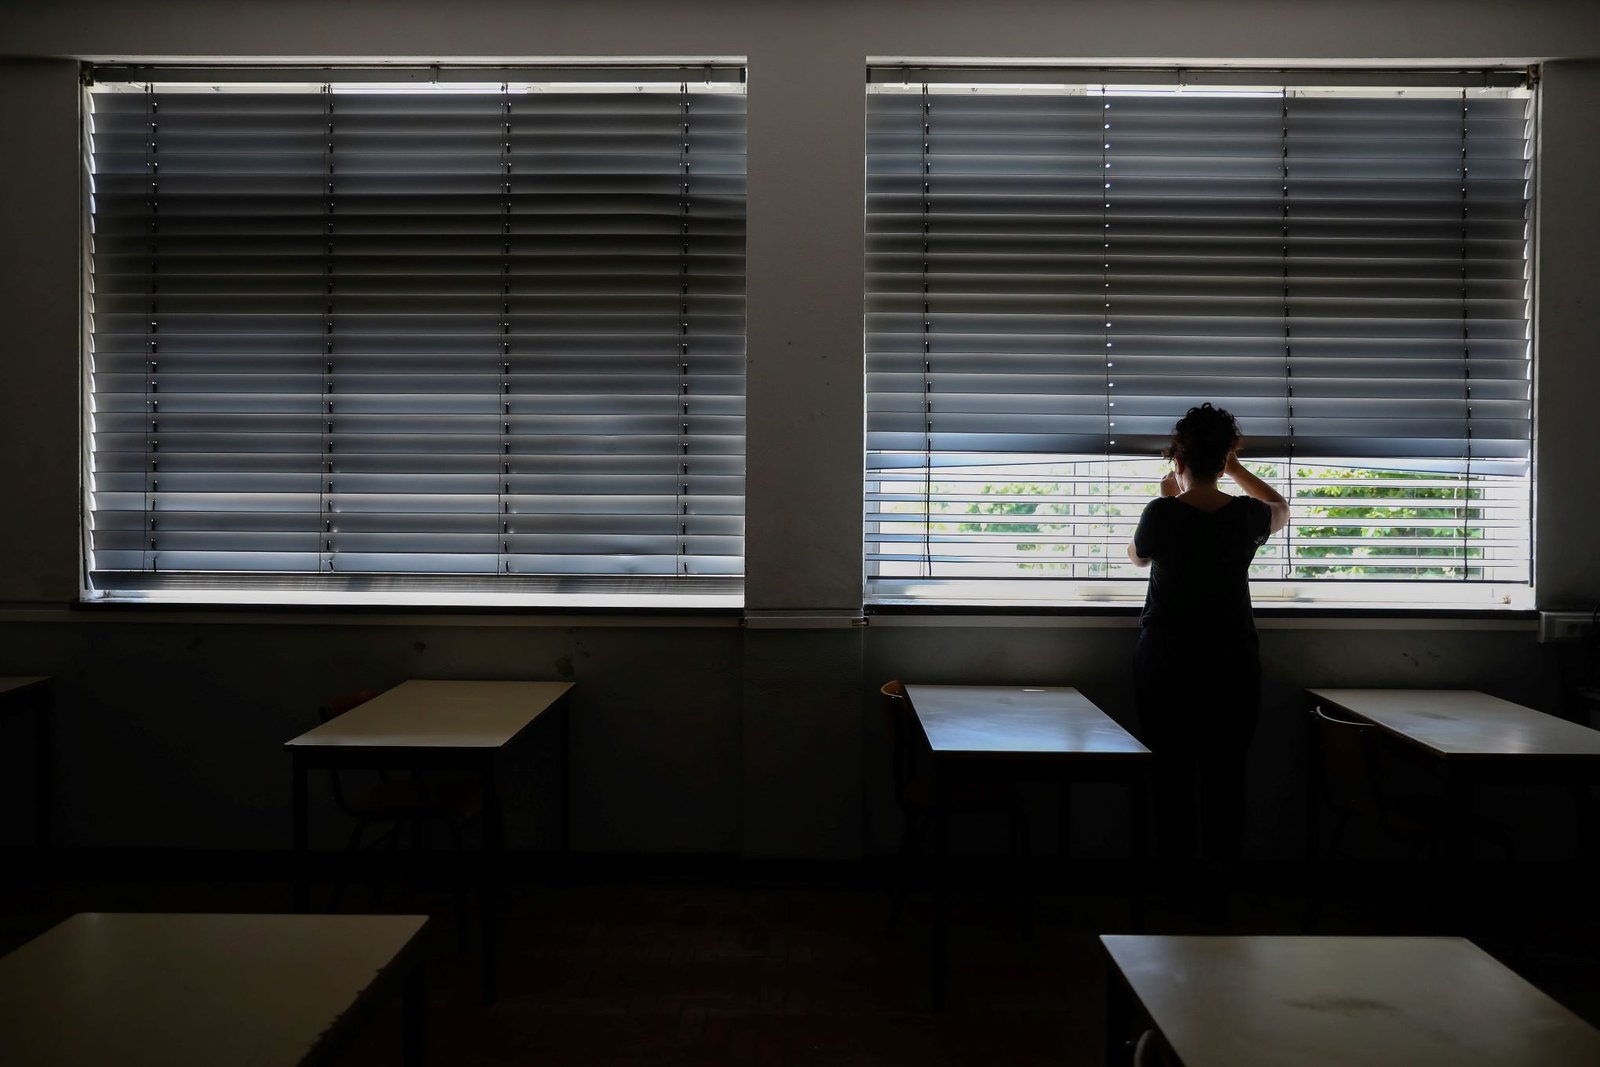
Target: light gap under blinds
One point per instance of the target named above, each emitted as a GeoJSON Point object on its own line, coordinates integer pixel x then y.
{"type": "Point", "coordinates": [418, 343]}
{"type": "Point", "coordinates": [1056, 272]}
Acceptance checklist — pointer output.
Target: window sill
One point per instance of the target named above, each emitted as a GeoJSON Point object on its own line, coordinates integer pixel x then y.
{"type": "Point", "coordinates": [1268, 617]}
{"type": "Point", "coordinates": [370, 615]}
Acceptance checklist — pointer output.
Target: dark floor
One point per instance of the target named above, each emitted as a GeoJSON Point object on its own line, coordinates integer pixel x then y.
{"type": "Point", "coordinates": [721, 968]}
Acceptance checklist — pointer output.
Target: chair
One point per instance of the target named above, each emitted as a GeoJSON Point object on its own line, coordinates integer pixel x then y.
{"type": "Point", "coordinates": [1347, 776]}
{"type": "Point", "coordinates": [1152, 1050]}
{"type": "Point", "coordinates": [1578, 664]}
{"type": "Point", "coordinates": [403, 803]}
{"type": "Point", "coordinates": [914, 795]}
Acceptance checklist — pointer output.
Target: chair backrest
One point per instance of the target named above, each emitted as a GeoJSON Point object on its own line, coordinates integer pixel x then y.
{"type": "Point", "coordinates": [1152, 1050]}
{"type": "Point", "coordinates": [1346, 765]}
{"type": "Point", "coordinates": [897, 716]}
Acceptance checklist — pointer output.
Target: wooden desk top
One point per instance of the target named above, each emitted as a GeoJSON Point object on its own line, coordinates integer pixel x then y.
{"type": "Point", "coordinates": [1335, 1001]}
{"type": "Point", "coordinates": [1017, 721]}
{"type": "Point", "coordinates": [13, 688]}
{"type": "Point", "coordinates": [439, 714]}
{"type": "Point", "coordinates": [201, 990]}
{"type": "Point", "coordinates": [1464, 723]}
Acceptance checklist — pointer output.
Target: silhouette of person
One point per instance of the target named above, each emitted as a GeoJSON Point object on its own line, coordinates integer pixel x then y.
{"type": "Point", "coordinates": [1197, 667]}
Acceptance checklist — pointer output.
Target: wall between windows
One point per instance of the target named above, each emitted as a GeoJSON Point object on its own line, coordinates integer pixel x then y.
{"type": "Point", "coordinates": [761, 741]}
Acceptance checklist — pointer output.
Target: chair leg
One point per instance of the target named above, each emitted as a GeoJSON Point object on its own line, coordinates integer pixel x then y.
{"type": "Point", "coordinates": [392, 843]}
{"type": "Point", "coordinates": [1507, 844]}
{"type": "Point", "coordinates": [1021, 853]}
{"type": "Point", "coordinates": [1335, 838]}
{"type": "Point", "coordinates": [416, 866]}
{"type": "Point", "coordinates": [460, 885]}
{"type": "Point", "coordinates": [1315, 892]}
{"type": "Point", "coordinates": [1588, 816]}
{"type": "Point", "coordinates": [351, 848]}
{"type": "Point", "coordinates": [910, 849]}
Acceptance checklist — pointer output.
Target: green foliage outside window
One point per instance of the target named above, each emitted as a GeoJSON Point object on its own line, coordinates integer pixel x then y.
{"type": "Point", "coordinates": [1373, 508]}
{"type": "Point", "coordinates": [1363, 517]}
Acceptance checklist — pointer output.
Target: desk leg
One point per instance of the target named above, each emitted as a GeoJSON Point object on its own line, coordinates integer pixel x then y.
{"type": "Point", "coordinates": [1064, 819]}
{"type": "Point", "coordinates": [1588, 842]}
{"type": "Point", "coordinates": [566, 773]}
{"type": "Point", "coordinates": [1458, 842]}
{"type": "Point", "coordinates": [1588, 850]}
{"type": "Point", "coordinates": [415, 1012]}
{"type": "Point", "coordinates": [493, 845]}
{"type": "Point", "coordinates": [41, 773]}
{"type": "Point", "coordinates": [1139, 791]}
{"type": "Point", "coordinates": [1459, 833]}
{"type": "Point", "coordinates": [941, 826]}
{"type": "Point", "coordinates": [1314, 791]}
{"type": "Point", "coordinates": [302, 887]}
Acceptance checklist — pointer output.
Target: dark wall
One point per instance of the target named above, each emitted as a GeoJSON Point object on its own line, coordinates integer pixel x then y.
{"type": "Point", "coordinates": [692, 737]}
{"type": "Point", "coordinates": [171, 734]}
{"type": "Point", "coordinates": [684, 738]}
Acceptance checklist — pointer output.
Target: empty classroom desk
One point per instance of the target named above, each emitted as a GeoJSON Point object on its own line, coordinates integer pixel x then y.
{"type": "Point", "coordinates": [1476, 737]}
{"type": "Point", "coordinates": [462, 725]}
{"type": "Point", "coordinates": [1335, 1002]}
{"type": "Point", "coordinates": [204, 990]}
{"type": "Point", "coordinates": [1020, 733]}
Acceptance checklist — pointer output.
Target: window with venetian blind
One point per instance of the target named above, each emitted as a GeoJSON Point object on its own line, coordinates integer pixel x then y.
{"type": "Point", "coordinates": [416, 336]}
{"type": "Point", "coordinates": [1059, 266]}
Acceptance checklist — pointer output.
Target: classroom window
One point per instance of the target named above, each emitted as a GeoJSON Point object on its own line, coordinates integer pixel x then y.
{"type": "Point", "coordinates": [416, 336]}
{"type": "Point", "coordinates": [1058, 268]}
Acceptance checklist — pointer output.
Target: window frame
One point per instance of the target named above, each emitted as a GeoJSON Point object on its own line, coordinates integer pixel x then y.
{"type": "Point", "coordinates": [387, 591]}
{"type": "Point", "coordinates": [897, 595]}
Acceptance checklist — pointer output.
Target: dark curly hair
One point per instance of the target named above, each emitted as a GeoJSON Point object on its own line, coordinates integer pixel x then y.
{"type": "Point", "coordinates": [1202, 440]}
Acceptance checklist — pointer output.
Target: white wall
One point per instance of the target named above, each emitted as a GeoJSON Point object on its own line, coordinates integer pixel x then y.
{"type": "Point", "coordinates": [774, 758]}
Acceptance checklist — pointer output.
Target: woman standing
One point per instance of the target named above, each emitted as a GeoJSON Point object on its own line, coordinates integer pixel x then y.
{"type": "Point", "coordinates": [1197, 668]}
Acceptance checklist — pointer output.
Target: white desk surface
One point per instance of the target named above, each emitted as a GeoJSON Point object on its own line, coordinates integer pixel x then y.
{"type": "Point", "coordinates": [1017, 720]}
{"type": "Point", "coordinates": [1346, 1002]}
{"type": "Point", "coordinates": [439, 714]}
{"type": "Point", "coordinates": [182, 990]}
{"type": "Point", "coordinates": [1464, 722]}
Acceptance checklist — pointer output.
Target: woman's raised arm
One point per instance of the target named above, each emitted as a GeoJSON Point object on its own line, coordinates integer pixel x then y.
{"type": "Point", "coordinates": [1254, 487]}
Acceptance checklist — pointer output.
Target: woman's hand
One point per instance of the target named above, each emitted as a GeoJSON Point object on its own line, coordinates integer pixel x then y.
{"type": "Point", "coordinates": [1169, 484]}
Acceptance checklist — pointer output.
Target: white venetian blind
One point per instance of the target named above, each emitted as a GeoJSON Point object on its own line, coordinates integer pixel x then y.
{"type": "Point", "coordinates": [1057, 272]}
{"type": "Point", "coordinates": [440, 340]}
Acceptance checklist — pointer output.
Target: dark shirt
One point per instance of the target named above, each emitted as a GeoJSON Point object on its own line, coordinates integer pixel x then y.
{"type": "Point", "coordinates": [1199, 577]}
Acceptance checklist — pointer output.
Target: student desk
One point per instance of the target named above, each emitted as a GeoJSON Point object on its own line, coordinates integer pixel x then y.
{"type": "Point", "coordinates": [461, 725]}
{"type": "Point", "coordinates": [1020, 732]}
{"type": "Point", "coordinates": [1335, 1002]}
{"type": "Point", "coordinates": [203, 990]}
{"type": "Point", "coordinates": [32, 694]}
{"type": "Point", "coordinates": [1475, 736]}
